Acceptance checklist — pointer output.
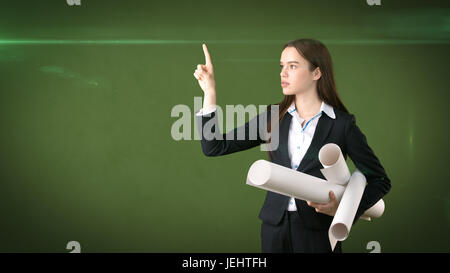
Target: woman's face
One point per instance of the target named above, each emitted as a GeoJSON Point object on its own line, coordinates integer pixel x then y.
{"type": "Point", "coordinates": [296, 78]}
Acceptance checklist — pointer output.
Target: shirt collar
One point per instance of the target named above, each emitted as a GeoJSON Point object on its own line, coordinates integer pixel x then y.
{"type": "Point", "coordinates": [326, 108]}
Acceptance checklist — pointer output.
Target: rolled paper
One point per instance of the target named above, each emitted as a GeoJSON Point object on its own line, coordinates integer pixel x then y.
{"type": "Point", "coordinates": [347, 188]}
{"type": "Point", "coordinates": [376, 211]}
{"type": "Point", "coordinates": [335, 168]}
{"type": "Point", "coordinates": [272, 177]}
{"type": "Point", "coordinates": [348, 206]}
{"type": "Point", "coordinates": [276, 178]}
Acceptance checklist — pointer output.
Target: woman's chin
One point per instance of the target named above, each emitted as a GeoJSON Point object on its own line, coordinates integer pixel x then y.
{"type": "Point", "coordinates": [286, 91]}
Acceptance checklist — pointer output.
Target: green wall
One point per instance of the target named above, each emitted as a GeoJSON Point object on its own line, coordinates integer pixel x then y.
{"type": "Point", "coordinates": [86, 92]}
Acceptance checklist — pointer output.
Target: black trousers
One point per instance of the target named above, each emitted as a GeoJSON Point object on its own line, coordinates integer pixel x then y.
{"type": "Point", "coordinates": [292, 236]}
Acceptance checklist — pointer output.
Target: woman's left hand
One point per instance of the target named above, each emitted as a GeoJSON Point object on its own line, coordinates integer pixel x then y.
{"type": "Point", "coordinates": [329, 208]}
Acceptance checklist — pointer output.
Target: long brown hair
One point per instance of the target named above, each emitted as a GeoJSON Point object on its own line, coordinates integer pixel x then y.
{"type": "Point", "coordinates": [316, 53]}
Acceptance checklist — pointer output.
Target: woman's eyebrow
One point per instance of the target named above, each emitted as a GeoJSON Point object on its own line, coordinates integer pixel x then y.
{"type": "Point", "coordinates": [291, 62]}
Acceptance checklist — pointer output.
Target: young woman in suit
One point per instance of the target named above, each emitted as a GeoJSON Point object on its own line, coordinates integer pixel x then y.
{"type": "Point", "coordinates": [310, 116]}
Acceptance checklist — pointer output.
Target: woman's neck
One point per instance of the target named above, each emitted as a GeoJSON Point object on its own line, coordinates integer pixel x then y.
{"type": "Point", "coordinates": [308, 104]}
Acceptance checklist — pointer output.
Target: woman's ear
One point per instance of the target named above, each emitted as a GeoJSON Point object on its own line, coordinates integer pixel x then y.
{"type": "Point", "coordinates": [317, 74]}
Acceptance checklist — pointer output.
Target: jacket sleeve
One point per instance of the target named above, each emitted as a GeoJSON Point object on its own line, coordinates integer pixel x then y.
{"type": "Point", "coordinates": [365, 160]}
{"type": "Point", "coordinates": [241, 138]}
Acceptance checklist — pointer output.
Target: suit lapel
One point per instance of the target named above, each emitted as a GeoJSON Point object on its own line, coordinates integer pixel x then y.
{"type": "Point", "coordinates": [323, 128]}
{"type": "Point", "coordinates": [284, 136]}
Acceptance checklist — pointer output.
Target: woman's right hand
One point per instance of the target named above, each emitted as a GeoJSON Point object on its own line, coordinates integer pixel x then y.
{"type": "Point", "coordinates": [205, 74]}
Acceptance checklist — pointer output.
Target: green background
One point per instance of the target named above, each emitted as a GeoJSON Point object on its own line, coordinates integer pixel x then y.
{"type": "Point", "coordinates": [86, 92]}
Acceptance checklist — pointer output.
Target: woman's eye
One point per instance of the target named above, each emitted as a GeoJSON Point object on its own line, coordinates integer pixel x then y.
{"type": "Point", "coordinates": [292, 66]}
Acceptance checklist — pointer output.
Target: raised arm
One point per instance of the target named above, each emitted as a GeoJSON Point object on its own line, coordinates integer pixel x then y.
{"type": "Point", "coordinates": [205, 76]}
{"type": "Point", "coordinates": [213, 142]}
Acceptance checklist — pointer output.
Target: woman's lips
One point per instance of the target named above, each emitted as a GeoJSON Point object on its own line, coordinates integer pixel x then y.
{"type": "Point", "coordinates": [284, 84]}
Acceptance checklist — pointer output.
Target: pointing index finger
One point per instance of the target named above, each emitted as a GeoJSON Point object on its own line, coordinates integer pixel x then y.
{"type": "Point", "coordinates": [207, 57]}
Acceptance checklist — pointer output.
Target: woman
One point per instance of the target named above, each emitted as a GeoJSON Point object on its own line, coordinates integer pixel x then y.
{"type": "Point", "coordinates": [310, 116]}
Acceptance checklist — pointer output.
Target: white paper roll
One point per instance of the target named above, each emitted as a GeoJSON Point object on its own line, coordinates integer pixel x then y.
{"type": "Point", "coordinates": [376, 211]}
{"type": "Point", "coordinates": [335, 168]}
{"type": "Point", "coordinates": [348, 206]}
{"type": "Point", "coordinates": [276, 178]}
{"type": "Point", "coordinates": [273, 177]}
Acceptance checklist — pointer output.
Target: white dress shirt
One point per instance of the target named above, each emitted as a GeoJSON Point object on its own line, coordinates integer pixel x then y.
{"type": "Point", "coordinates": [299, 138]}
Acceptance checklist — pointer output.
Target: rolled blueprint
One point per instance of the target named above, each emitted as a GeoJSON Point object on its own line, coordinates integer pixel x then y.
{"type": "Point", "coordinates": [269, 176]}
{"type": "Point", "coordinates": [375, 211]}
{"type": "Point", "coordinates": [335, 168]}
{"type": "Point", "coordinates": [336, 171]}
{"type": "Point", "coordinates": [276, 178]}
{"type": "Point", "coordinates": [343, 219]}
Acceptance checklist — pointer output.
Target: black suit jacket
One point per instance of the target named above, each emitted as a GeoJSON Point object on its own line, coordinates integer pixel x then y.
{"type": "Point", "coordinates": [342, 131]}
